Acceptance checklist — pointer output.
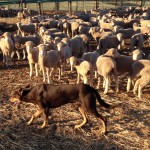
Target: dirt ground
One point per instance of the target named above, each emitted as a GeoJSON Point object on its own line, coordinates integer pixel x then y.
{"type": "Point", "coordinates": [128, 124]}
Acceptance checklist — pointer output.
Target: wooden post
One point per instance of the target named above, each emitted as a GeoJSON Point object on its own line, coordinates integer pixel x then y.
{"type": "Point", "coordinates": [40, 10]}
{"type": "Point", "coordinates": [70, 7]}
{"type": "Point", "coordinates": [121, 3]}
{"type": "Point", "coordinates": [84, 5]}
{"type": "Point", "coordinates": [116, 3]}
{"type": "Point", "coordinates": [96, 4]}
{"type": "Point", "coordinates": [57, 7]}
{"type": "Point", "coordinates": [21, 3]}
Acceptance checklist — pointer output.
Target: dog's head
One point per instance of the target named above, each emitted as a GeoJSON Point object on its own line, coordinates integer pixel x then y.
{"type": "Point", "coordinates": [18, 95]}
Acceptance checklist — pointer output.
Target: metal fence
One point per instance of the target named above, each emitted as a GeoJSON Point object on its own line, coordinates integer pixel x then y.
{"type": "Point", "coordinates": [76, 5]}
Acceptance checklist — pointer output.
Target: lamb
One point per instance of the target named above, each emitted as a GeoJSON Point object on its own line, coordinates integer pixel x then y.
{"type": "Point", "coordinates": [143, 81]}
{"type": "Point", "coordinates": [48, 60]}
{"type": "Point", "coordinates": [138, 40]}
{"type": "Point", "coordinates": [106, 67]}
{"type": "Point", "coordinates": [135, 70]}
{"type": "Point", "coordinates": [84, 69]}
{"type": "Point", "coordinates": [33, 53]}
{"type": "Point", "coordinates": [7, 47]}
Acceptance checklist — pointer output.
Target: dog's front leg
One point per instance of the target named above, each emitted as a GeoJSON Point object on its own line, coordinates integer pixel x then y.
{"type": "Point", "coordinates": [45, 116]}
{"type": "Point", "coordinates": [35, 115]}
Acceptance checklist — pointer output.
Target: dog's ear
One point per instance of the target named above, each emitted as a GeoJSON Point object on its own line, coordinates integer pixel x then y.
{"type": "Point", "coordinates": [28, 86]}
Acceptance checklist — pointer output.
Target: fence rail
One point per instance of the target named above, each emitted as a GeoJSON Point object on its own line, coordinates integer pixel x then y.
{"type": "Point", "coordinates": [75, 5]}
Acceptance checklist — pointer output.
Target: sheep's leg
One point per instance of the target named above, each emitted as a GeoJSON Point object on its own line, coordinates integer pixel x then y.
{"type": "Point", "coordinates": [129, 84]}
{"type": "Point", "coordinates": [18, 54]}
{"type": "Point", "coordinates": [36, 69]}
{"type": "Point", "coordinates": [117, 84]}
{"type": "Point", "coordinates": [31, 69]}
{"type": "Point", "coordinates": [106, 85]}
{"type": "Point", "coordinates": [136, 86]}
{"type": "Point", "coordinates": [44, 76]}
{"type": "Point", "coordinates": [59, 77]}
{"type": "Point", "coordinates": [71, 67]}
{"type": "Point", "coordinates": [7, 60]}
{"type": "Point", "coordinates": [78, 78]}
{"type": "Point", "coordinates": [99, 81]}
{"type": "Point", "coordinates": [91, 78]}
{"type": "Point", "coordinates": [12, 54]}
{"type": "Point", "coordinates": [142, 84]}
{"type": "Point", "coordinates": [85, 80]}
{"type": "Point", "coordinates": [24, 54]}
{"type": "Point", "coordinates": [95, 75]}
{"type": "Point", "coordinates": [4, 58]}
{"type": "Point", "coordinates": [48, 75]}
{"type": "Point", "coordinates": [62, 69]}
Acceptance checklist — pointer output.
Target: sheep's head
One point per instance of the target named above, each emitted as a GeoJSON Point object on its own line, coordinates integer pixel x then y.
{"type": "Point", "coordinates": [6, 34]}
{"type": "Point", "coordinates": [137, 54]}
{"type": "Point", "coordinates": [113, 53]}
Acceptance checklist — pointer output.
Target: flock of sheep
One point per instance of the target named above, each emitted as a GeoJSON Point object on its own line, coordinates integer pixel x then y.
{"type": "Point", "coordinates": [51, 43]}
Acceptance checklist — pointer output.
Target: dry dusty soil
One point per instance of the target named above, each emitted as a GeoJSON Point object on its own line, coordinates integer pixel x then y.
{"type": "Point", "coordinates": [128, 124]}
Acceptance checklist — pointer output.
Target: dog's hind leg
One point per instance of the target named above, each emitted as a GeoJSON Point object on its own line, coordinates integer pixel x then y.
{"type": "Point", "coordinates": [35, 115]}
{"type": "Point", "coordinates": [104, 123]}
{"type": "Point", "coordinates": [85, 118]}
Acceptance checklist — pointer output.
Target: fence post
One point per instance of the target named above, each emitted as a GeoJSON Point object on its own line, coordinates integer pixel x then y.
{"type": "Point", "coordinates": [96, 4]}
{"type": "Point", "coordinates": [70, 7]}
{"type": "Point", "coordinates": [40, 10]}
{"type": "Point", "coordinates": [121, 3]}
{"type": "Point", "coordinates": [57, 7]}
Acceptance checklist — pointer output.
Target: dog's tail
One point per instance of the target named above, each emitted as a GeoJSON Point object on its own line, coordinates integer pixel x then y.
{"type": "Point", "coordinates": [102, 102]}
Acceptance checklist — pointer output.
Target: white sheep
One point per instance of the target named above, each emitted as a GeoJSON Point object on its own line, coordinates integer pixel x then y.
{"type": "Point", "coordinates": [136, 67]}
{"type": "Point", "coordinates": [107, 42]}
{"type": "Point", "coordinates": [73, 60]}
{"type": "Point", "coordinates": [92, 58]}
{"type": "Point", "coordinates": [143, 81]}
{"type": "Point", "coordinates": [33, 53]}
{"type": "Point", "coordinates": [138, 40]}
{"type": "Point", "coordinates": [84, 69]}
{"type": "Point", "coordinates": [65, 53]}
{"type": "Point", "coordinates": [48, 60]}
{"type": "Point", "coordinates": [106, 67]}
{"type": "Point", "coordinates": [7, 47]}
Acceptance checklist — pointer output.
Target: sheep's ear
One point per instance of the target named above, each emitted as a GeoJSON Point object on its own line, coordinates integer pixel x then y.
{"type": "Point", "coordinates": [2, 36]}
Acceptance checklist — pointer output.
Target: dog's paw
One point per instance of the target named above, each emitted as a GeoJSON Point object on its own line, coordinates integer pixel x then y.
{"type": "Point", "coordinates": [29, 123]}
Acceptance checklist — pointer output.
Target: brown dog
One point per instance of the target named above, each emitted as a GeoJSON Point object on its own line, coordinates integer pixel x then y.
{"type": "Point", "coordinates": [52, 96]}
